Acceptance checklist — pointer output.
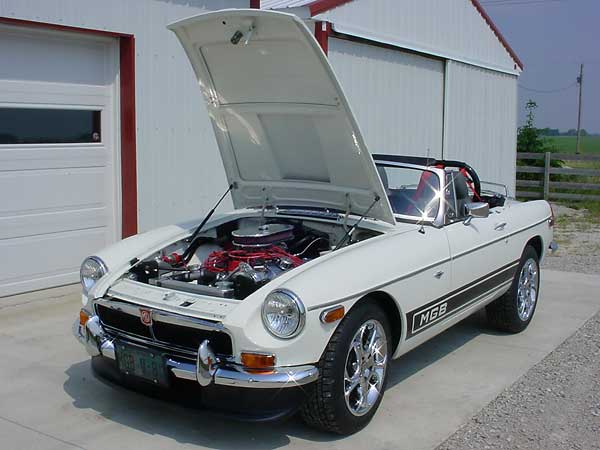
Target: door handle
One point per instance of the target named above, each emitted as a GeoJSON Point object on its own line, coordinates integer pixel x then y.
{"type": "Point", "coordinates": [438, 274]}
{"type": "Point", "coordinates": [500, 226]}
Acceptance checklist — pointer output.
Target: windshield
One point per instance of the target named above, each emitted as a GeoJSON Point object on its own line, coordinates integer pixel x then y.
{"type": "Point", "coordinates": [413, 193]}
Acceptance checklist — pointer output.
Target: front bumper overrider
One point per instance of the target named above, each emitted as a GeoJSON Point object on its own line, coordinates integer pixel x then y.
{"type": "Point", "coordinates": [206, 370]}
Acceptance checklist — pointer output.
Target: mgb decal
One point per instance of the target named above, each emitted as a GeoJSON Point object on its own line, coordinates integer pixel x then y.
{"type": "Point", "coordinates": [423, 318]}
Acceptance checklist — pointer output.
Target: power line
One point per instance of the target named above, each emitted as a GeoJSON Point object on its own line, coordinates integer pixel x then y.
{"type": "Point", "coordinates": [517, 2]}
{"type": "Point", "coordinates": [548, 91]}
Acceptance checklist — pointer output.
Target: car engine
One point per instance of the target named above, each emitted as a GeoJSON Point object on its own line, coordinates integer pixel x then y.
{"type": "Point", "coordinates": [237, 261]}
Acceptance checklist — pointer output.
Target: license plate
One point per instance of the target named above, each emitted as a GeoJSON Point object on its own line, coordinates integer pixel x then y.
{"type": "Point", "coordinates": [142, 363]}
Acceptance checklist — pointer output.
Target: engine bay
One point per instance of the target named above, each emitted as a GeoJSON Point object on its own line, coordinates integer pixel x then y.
{"type": "Point", "coordinates": [237, 258]}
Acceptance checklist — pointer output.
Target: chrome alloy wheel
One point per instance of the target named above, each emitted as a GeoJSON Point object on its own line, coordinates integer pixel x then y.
{"type": "Point", "coordinates": [528, 289]}
{"type": "Point", "coordinates": [365, 368]}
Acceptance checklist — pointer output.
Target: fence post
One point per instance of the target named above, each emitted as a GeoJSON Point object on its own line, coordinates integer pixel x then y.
{"type": "Point", "coordinates": [547, 157]}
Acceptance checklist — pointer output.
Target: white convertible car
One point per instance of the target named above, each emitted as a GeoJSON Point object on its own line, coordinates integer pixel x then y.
{"type": "Point", "coordinates": [333, 262]}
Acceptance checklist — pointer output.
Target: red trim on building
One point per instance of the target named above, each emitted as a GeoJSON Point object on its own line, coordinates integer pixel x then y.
{"type": "Point", "coordinates": [128, 137]}
{"type": "Point", "coordinates": [129, 225]}
{"type": "Point", "coordinates": [255, 4]}
{"type": "Point", "coordinates": [322, 35]}
{"type": "Point", "coordinates": [321, 6]}
{"type": "Point", "coordinates": [496, 31]}
{"type": "Point", "coordinates": [54, 26]}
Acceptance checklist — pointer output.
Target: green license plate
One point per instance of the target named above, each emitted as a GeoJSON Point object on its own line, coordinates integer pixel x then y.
{"type": "Point", "coordinates": [140, 362]}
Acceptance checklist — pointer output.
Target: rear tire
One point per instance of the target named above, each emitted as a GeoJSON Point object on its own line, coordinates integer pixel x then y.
{"type": "Point", "coordinates": [353, 373]}
{"type": "Point", "coordinates": [513, 311]}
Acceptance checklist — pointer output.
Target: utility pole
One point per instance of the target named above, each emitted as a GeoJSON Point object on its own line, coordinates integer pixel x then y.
{"type": "Point", "coordinates": [580, 82]}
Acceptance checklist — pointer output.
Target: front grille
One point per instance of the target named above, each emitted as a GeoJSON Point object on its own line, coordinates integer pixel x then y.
{"type": "Point", "coordinates": [179, 336]}
{"type": "Point", "coordinates": [122, 321]}
{"type": "Point", "coordinates": [192, 337]}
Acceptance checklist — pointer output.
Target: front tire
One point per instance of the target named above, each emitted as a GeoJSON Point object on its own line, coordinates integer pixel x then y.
{"type": "Point", "coordinates": [513, 311]}
{"type": "Point", "coordinates": [353, 373]}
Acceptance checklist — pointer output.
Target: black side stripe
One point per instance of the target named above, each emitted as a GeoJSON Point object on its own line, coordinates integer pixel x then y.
{"type": "Point", "coordinates": [420, 319]}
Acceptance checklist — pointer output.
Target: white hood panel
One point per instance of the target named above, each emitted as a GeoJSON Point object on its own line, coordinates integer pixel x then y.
{"type": "Point", "coordinates": [282, 123]}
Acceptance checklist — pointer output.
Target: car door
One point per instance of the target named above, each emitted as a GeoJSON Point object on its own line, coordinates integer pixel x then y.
{"type": "Point", "coordinates": [481, 260]}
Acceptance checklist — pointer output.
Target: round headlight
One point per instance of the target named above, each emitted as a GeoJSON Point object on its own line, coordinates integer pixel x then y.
{"type": "Point", "coordinates": [92, 269]}
{"type": "Point", "coordinates": [283, 314]}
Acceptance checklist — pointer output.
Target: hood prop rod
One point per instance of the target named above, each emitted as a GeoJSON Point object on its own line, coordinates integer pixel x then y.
{"type": "Point", "coordinates": [351, 230]}
{"type": "Point", "coordinates": [189, 251]}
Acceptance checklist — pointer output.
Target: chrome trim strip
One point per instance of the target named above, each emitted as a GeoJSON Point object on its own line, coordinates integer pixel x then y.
{"type": "Point", "coordinates": [505, 236]}
{"type": "Point", "coordinates": [159, 315]}
{"type": "Point", "coordinates": [408, 275]}
{"type": "Point", "coordinates": [423, 269]}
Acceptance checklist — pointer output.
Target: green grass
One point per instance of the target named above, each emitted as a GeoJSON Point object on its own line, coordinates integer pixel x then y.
{"type": "Point", "coordinates": [566, 144]}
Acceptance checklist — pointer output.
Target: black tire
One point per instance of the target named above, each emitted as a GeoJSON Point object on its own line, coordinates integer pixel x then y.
{"type": "Point", "coordinates": [503, 313]}
{"type": "Point", "coordinates": [325, 407]}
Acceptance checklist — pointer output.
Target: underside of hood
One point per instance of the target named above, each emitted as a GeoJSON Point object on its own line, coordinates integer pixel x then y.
{"type": "Point", "coordinates": [284, 128]}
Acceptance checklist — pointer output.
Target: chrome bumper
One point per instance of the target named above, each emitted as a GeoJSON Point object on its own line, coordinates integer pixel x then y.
{"type": "Point", "coordinates": [553, 247]}
{"type": "Point", "coordinates": [206, 370]}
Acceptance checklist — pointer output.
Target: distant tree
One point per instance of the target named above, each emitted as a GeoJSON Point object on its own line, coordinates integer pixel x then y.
{"type": "Point", "coordinates": [550, 132]}
{"type": "Point", "coordinates": [530, 140]}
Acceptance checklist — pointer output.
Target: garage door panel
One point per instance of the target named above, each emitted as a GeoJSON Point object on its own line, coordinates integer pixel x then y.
{"type": "Point", "coordinates": [57, 59]}
{"type": "Point", "coordinates": [52, 157]}
{"type": "Point", "coordinates": [48, 190]}
{"type": "Point", "coordinates": [51, 259]}
{"type": "Point", "coordinates": [38, 93]}
{"type": "Point", "coordinates": [53, 222]}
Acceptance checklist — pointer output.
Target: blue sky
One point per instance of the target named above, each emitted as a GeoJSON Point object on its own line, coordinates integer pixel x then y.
{"type": "Point", "coordinates": [552, 37]}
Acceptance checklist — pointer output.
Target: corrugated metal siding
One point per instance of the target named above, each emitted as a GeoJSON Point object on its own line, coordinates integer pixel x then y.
{"type": "Point", "coordinates": [450, 28]}
{"type": "Point", "coordinates": [396, 96]}
{"type": "Point", "coordinates": [275, 4]}
{"type": "Point", "coordinates": [481, 121]}
{"type": "Point", "coordinates": [179, 171]}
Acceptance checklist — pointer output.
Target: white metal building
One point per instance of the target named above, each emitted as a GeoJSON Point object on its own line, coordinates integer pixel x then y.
{"type": "Point", "coordinates": [104, 133]}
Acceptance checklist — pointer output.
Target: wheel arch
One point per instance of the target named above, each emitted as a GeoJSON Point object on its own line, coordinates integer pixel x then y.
{"type": "Point", "coordinates": [537, 244]}
{"type": "Point", "coordinates": [392, 311]}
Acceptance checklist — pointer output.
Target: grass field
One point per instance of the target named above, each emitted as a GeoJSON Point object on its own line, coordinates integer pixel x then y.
{"type": "Point", "coordinates": [566, 144]}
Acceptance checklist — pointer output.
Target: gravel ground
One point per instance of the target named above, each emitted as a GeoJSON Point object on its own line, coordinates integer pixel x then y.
{"type": "Point", "coordinates": [578, 238]}
{"type": "Point", "coordinates": [556, 405]}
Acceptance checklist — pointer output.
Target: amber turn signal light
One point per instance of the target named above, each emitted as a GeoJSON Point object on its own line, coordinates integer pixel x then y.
{"type": "Point", "coordinates": [258, 361]}
{"type": "Point", "coordinates": [333, 314]}
{"type": "Point", "coordinates": [83, 318]}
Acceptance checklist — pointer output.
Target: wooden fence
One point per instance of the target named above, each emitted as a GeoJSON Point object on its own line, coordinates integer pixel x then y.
{"type": "Point", "coordinates": [546, 184]}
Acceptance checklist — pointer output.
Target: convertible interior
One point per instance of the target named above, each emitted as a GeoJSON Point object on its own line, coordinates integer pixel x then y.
{"type": "Point", "coordinates": [420, 196]}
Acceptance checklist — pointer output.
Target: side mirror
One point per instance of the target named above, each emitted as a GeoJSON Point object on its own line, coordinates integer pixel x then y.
{"type": "Point", "coordinates": [477, 210]}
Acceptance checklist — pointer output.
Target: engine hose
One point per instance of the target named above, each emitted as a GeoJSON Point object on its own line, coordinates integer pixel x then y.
{"type": "Point", "coordinates": [308, 246]}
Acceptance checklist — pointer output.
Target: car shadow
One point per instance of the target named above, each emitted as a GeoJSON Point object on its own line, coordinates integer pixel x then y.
{"type": "Point", "coordinates": [440, 346]}
{"type": "Point", "coordinates": [188, 425]}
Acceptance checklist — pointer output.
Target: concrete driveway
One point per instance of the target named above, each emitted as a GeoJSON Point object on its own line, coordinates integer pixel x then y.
{"type": "Point", "coordinates": [51, 400]}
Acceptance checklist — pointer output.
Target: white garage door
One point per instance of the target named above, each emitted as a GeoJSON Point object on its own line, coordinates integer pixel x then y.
{"type": "Point", "coordinates": [398, 97]}
{"type": "Point", "coordinates": [58, 177]}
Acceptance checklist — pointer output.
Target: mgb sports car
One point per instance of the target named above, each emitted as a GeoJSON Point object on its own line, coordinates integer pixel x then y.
{"type": "Point", "coordinates": [333, 262]}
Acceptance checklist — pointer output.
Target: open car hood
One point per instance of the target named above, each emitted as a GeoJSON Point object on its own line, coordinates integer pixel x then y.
{"type": "Point", "coordinates": [283, 125]}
